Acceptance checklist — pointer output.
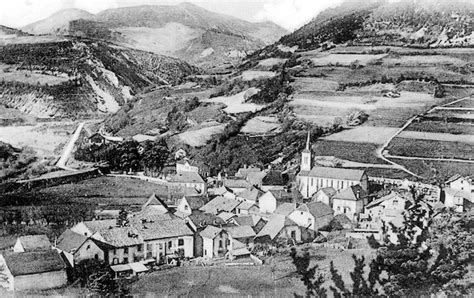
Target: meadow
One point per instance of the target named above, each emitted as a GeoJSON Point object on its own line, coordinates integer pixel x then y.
{"type": "Point", "coordinates": [199, 137]}
{"type": "Point", "coordinates": [431, 148]}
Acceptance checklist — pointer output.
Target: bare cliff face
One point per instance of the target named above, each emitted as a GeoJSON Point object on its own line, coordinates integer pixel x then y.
{"type": "Point", "coordinates": [77, 78]}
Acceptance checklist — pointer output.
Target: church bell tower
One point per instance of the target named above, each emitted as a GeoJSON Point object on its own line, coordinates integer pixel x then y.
{"type": "Point", "coordinates": [306, 158]}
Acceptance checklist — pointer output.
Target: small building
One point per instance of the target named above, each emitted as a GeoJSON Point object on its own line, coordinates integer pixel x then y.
{"type": "Point", "coordinates": [324, 195]}
{"type": "Point", "coordinates": [251, 195]}
{"type": "Point", "coordinates": [350, 201]}
{"type": "Point", "coordinates": [215, 242]}
{"type": "Point", "coordinates": [279, 228]}
{"type": "Point", "coordinates": [244, 234]}
{"type": "Point", "coordinates": [462, 183]}
{"type": "Point", "coordinates": [32, 243]}
{"type": "Point", "coordinates": [313, 216]}
{"type": "Point", "coordinates": [387, 208]}
{"type": "Point", "coordinates": [285, 209]}
{"type": "Point", "coordinates": [77, 248]}
{"type": "Point", "coordinates": [247, 208]}
{"type": "Point", "coordinates": [274, 180]}
{"type": "Point", "coordinates": [255, 221]}
{"type": "Point", "coordinates": [186, 165]}
{"type": "Point", "coordinates": [187, 204]}
{"type": "Point", "coordinates": [459, 200]}
{"type": "Point", "coordinates": [236, 185]}
{"type": "Point", "coordinates": [34, 270]}
{"type": "Point", "coordinates": [267, 202]}
{"type": "Point", "coordinates": [188, 180]}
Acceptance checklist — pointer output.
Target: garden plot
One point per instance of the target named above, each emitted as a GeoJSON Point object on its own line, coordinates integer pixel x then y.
{"type": "Point", "coordinates": [345, 59]}
{"type": "Point", "coordinates": [446, 137]}
{"type": "Point", "coordinates": [262, 125]}
{"type": "Point", "coordinates": [314, 85]}
{"type": "Point", "coordinates": [364, 134]}
{"type": "Point", "coordinates": [236, 103]}
{"type": "Point", "coordinates": [199, 137]}
{"type": "Point", "coordinates": [257, 74]}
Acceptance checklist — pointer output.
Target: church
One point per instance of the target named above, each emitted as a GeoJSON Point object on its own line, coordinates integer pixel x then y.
{"type": "Point", "coordinates": [312, 178]}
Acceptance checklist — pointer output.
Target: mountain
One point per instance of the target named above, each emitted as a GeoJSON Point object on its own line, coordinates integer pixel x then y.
{"type": "Point", "coordinates": [7, 32]}
{"type": "Point", "coordinates": [72, 77]}
{"type": "Point", "coordinates": [410, 22]}
{"type": "Point", "coordinates": [57, 23]}
{"type": "Point", "coordinates": [185, 31]}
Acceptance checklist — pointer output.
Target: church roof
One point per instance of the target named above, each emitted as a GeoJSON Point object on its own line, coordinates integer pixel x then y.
{"type": "Point", "coordinates": [334, 173]}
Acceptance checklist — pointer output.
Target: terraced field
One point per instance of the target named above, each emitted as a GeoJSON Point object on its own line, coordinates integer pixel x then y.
{"type": "Point", "coordinates": [431, 148]}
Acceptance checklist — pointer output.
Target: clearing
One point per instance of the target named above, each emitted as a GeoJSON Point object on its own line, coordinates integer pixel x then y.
{"type": "Point", "coordinates": [262, 125]}
{"type": "Point", "coordinates": [419, 60]}
{"type": "Point", "coordinates": [345, 59]}
{"type": "Point", "coordinates": [270, 62]}
{"type": "Point", "coordinates": [236, 103]}
{"type": "Point", "coordinates": [11, 73]}
{"type": "Point", "coordinates": [250, 75]}
{"type": "Point", "coordinates": [199, 137]}
{"type": "Point", "coordinates": [364, 134]}
{"type": "Point", "coordinates": [314, 85]}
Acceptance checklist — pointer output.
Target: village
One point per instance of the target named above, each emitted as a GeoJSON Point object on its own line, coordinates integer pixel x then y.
{"type": "Point", "coordinates": [229, 221]}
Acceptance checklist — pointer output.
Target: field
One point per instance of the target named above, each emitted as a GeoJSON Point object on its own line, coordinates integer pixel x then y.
{"type": "Point", "coordinates": [270, 62]}
{"type": "Point", "coordinates": [10, 73]}
{"type": "Point", "coordinates": [442, 170]}
{"type": "Point", "coordinates": [236, 103]}
{"type": "Point", "coordinates": [261, 125]}
{"type": "Point", "coordinates": [277, 279]}
{"type": "Point", "coordinates": [46, 139]}
{"type": "Point", "coordinates": [257, 74]}
{"type": "Point", "coordinates": [466, 103]}
{"type": "Point", "coordinates": [344, 59]}
{"type": "Point", "coordinates": [358, 152]}
{"type": "Point", "coordinates": [425, 125]}
{"type": "Point", "coordinates": [431, 148]}
{"type": "Point", "coordinates": [306, 84]}
{"type": "Point", "coordinates": [364, 134]}
{"type": "Point", "coordinates": [199, 137]}
{"type": "Point", "coordinates": [419, 60]}
{"type": "Point", "coordinates": [444, 137]}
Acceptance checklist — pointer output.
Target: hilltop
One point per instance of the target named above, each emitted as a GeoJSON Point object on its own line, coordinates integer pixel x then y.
{"type": "Point", "coordinates": [185, 31]}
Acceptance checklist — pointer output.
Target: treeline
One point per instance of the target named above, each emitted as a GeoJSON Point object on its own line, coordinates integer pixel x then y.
{"type": "Point", "coordinates": [127, 156]}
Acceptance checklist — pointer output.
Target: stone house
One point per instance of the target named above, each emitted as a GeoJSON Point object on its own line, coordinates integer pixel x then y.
{"type": "Point", "coordinates": [215, 242]}
{"type": "Point", "coordinates": [77, 248]}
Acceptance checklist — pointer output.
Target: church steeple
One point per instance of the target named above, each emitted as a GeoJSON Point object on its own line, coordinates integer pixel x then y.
{"type": "Point", "coordinates": [306, 158]}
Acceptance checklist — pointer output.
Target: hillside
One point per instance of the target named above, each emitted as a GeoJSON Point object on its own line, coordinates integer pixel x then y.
{"type": "Point", "coordinates": [57, 23]}
{"type": "Point", "coordinates": [7, 32]}
{"type": "Point", "coordinates": [74, 78]}
{"type": "Point", "coordinates": [416, 23]}
{"type": "Point", "coordinates": [185, 31]}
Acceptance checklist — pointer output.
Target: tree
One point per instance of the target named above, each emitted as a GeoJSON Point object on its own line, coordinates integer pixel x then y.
{"type": "Point", "coordinates": [313, 284]}
{"type": "Point", "coordinates": [154, 157]}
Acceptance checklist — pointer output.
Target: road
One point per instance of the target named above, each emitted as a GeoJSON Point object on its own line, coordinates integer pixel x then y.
{"type": "Point", "coordinates": [69, 147]}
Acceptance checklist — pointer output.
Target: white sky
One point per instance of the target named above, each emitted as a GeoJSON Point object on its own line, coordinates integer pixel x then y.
{"type": "Point", "coordinates": [289, 14]}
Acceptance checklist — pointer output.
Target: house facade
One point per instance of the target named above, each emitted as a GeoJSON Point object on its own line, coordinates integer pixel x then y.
{"type": "Point", "coordinates": [267, 202]}
{"type": "Point", "coordinates": [215, 242]}
{"type": "Point", "coordinates": [350, 201]}
{"type": "Point", "coordinates": [77, 248]}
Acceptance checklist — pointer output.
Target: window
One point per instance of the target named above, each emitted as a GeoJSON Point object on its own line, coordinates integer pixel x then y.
{"type": "Point", "coordinates": [125, 250]}
{"type": "Point", "coordinates": [227, 242]}
{"type": "Point", "coordinates": [170, 244]}
{"type": "Point", "coordinates": [220, 243]}
{"type": "Point", "coordinates": [125, 260]}
{"type": "Point", "coordinates": [293, 234]}
{"type": "Point", "coordinates": [338, 208]}
{"type": "Point", "coordinates": [139, 248]}
{"type": "Point", "coordinates": [88, 246]}
{"type": "Point", "coordinates": [160, 246]}
{"type": "Point", "coordinates": [180, 242]}
{"type": "Point", "coordinates": [186, 207]}
{"type": "Point", "coordinates": [115, 251]}
{"type": "Point", "coordinates": [395, 202]}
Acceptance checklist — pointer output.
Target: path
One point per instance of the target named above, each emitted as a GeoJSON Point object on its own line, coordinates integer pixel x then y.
{"type": "Point", "coordinates": [387, 142]}
{"type": "Point", "coordinates": [69, 147]}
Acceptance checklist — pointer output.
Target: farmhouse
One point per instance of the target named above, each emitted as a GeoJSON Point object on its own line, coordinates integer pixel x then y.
{"type": "Point", "coordinates": [244, 234]}
{"type": "Point", "coordinates": [34, 270]}
{"type": "Point", "coordinates": [313, 216]}
{"type": "Point", "coordinates": [215, 242]}
{"type": "Point", "coordinates": [310, 179]}
{"type": "Point", "coordinates": [350, 201]}
{"type": "Point", "coordinates": [187, 204]}
{"type": "Point", "coordinates": [459, 200]}
{"type": "Point", "coordinates": [460, 183]}
{"type": "Point", "coordinates": [324, 195]}
{"type": "Point", "coordinates": [77, 248]}
{"type": "Point", "coordinates": [188, 180]}
{"type": "Point", "coordinates": [267, 202]}
{"type": "Point", "coordinates": [388, 208]}
{"type": "Point", "coordinates": [279, 228]}
{"type": "Point", "coordinates": [198, 221]}
{"type": "Point", "coordinates": [32, 243]}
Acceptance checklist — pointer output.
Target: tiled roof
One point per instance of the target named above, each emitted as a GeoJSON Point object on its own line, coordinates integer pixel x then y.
{"type": "Point", "coordinates": [382, 199]}
{"type": "Point", "coordinates": [121, 237]}
{"type": "Point", "coordinates": [335, 173]}
{"type": "Point", "coordinates": [319, 209]}
{"type": "Point", "coordinates": [246, 205]}
{"type": "Point", "coordinates": [70, 241]}
{"type": "Point", "coordinates": [352, 193]}
{"type": "Point", "coordinates": [274, 225]}
{"type": "Point", "coordinates": [274, 177]}
{"type": "Point", "coordinates": [226, 215]}
{"type": "Point", "coordinates": [200, 217]}
{"type": "Point", "coordinates": [35, 242]}
{"type": "Point", "coordinates": [285, 208]}
{"type": "Point", "coordinates": [210, 232]}
{"type": "Point", "coordinates": [251, 194]}
{"type": "Point", "coordinates": [220, 204]}
{"type": "Point", "coordinates": [249, 220]}
{"type": "Point", "coordinates": [255, 178]}
{"type": "Point", "coordinates": [236, 183]}
{"type": "Point", "coordinates": [187, 177]}
{"type": "Point", "coordinates": [34, 262]}
{"type": "Point", "coordinates": [99, 225]}
{"type": "Point", "coordinates": [243, 172]}
{"type": "Point", "coordinates": [240, 231]}
{"type": "Point", "coordinates": [281, 195]}
{"type": "Point", "coordinates": [329, 191]}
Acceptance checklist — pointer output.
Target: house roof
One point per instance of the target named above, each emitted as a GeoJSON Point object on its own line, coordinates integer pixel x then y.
{"type": "Point", "coordinates": [274, 225]}
{"type": "Point", "coordinates": [226, 215]}
{"type": "Point", "coordinates": [160, 226]}
{"type": "Point", "coordinates": [187, 177]}
{"type": "Point", "coordinates": [458, 193]}
{"type": "Point", "coordinates": [246, 205]}
{"type": "Point", "coordinates": [240, 231]}
{"type": "Point", "coordinates": [34, 262]}
{"type": "Point", "coordinates": [319, 209]}
{"type": "Point", "coordinates": [285, 208]}
{"type": "Point", "coordinates": [200, 217]}
{"type": "Point", "coordinates": [335, 173]}
{"type": "Point", "coordinates": [239, 249]}
{"type": "Point", "coordinates": [155, 200]}
{"type": "Point", "coordinates": [249, 220]}
{"type": "Point", "coordinates": [352, 193]}
{"type": "Point", "coordinates": [35, 242]}
{"type": "Point", "coordinates": [274, 177]}
{"type": "Point", "coordinates": [70, 241]}
{"type": "Point", "coordinates": [121, 237]}
{"type": "Point", "coordinates": [329, 191]}
{"type": "Point", "coordinates": [219, 204]}
{"type": "Point", "coordinates": [195, 202]}
{"type": "Point", "coordinates": [281, 195]}
{"type": "Point", "coordinates": [255, 178]}
{"type": "Point", "coordinates": [457, 177]}
{"type": "Point", "coordinates": [236, 183]}
{"type": "Point", "coordinates": [210, 232]}
{"type": "Point", "coordinates": [251, 194]}
{"type": "Point", "coordinates": [382, 199]}
{"type": "Point", "coordinates": [243, 172]}
{"type": "Point", "coordinates": [99, 225]}
{"type": "Point", "coordinates": [219, 191]}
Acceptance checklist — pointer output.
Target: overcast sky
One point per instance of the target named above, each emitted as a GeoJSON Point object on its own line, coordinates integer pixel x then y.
{"type": "Point", "coordinates": [290, 14]}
